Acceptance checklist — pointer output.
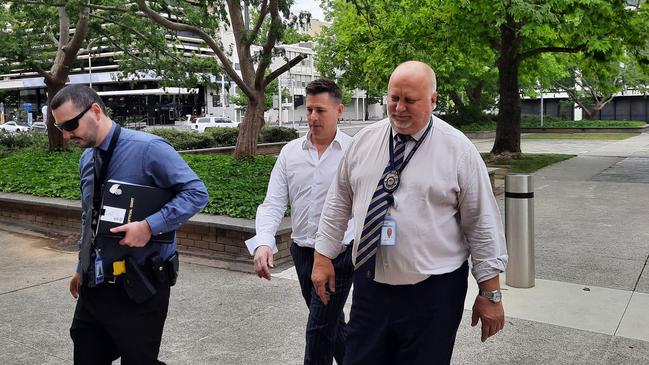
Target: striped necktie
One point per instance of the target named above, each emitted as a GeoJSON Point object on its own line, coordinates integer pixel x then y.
{"type": "Point", "coordinates": [376, 212]}
{"type": "Point", "coordinates": [87, 232]}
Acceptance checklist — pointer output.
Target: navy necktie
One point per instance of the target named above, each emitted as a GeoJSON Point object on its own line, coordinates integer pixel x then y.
{"type": "Point", "coordinates": [376, 212]}
{"type": "Point", "coordinates": [87, 235]}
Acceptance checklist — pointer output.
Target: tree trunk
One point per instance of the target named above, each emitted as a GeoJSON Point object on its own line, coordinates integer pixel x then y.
{"type": "Point", "coordinates": [508, 129]}
{"type": "Point", "coordinates": [55, 137]}
{"type": "Point", "coordinates": [249, 129]}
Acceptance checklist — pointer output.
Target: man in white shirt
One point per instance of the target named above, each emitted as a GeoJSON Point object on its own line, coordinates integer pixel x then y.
{"type": "Point", "coordinates": [301, 177]}
{"type": "Point", "coordinates": [422, 202]}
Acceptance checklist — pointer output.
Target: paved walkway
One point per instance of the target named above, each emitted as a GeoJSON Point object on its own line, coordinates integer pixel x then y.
{"type": "Point", "coordinates": [590, 304]}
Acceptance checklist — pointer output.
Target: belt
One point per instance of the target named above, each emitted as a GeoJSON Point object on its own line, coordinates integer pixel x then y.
{"type": "Point", "coordinates": [114, 272]}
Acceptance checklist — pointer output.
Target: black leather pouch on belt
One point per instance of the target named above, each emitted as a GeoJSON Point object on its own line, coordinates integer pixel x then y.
{"type": "Point", "coordinates": [137, 285]}
{"type": "Point", "coordinates": [172, 264]}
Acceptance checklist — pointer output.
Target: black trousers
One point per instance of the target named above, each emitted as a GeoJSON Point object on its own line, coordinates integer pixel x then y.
{"type": "Point", "coordinates": [405, 324]}
{"type": "Point", "coordinates": [326, 330]}
{"type": "Point", "coordinates": [107, 325]}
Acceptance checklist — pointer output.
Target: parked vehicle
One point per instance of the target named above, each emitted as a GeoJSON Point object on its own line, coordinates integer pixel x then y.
{"type": "Point", "coordinates": [203, 123]}
{"type": "Point", "coordinates": [13, 127]}
{"type": "Point", "coordinates": [39, 127]}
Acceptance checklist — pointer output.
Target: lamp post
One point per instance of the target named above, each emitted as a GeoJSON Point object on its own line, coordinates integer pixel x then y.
{"type": "Point", "coordinates": [90, 61]}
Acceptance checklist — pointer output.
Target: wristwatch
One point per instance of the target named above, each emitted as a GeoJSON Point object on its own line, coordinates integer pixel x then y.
{"type": "Point", "coordinates": [494, 296]}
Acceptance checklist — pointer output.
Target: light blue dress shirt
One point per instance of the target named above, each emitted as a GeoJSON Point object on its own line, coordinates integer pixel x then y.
{"type": "Point", "coordinates": [146, 159]}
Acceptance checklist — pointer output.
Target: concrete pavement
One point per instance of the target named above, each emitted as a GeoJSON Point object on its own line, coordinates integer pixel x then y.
{"type": "Point", "coordinates": [590, 304]}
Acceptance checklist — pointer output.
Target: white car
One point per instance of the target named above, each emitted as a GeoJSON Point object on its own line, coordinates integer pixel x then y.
{"type": "Point", "coordinates": [200, 124]}
{"type": "Point", "coordinates": [13, 127]}
{"type": "Point", "coordinates": [39, 127]}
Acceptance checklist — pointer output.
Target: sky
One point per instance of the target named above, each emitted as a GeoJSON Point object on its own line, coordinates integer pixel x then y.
{"type": "Point", "coordinates": [311, 5]}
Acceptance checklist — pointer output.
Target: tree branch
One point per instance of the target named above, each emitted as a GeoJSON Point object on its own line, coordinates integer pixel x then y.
{"type": "Point", "coordinates": [275, 74]}
{"type": "Point", "coordinates": [271, 39]}
{"type": "Point", "coordinates": [225, 62]}
{"type": "Point", "coordinates": [109, 8]}
{"type": "Point", "coordinates": [135, 31]}
{"type": "Point", "coordinates": [540, 50]}
{"type": "Point", "coordinates": [130, 54]}
{"type": "Point", "coordinates": [46, 75]}
{"type": "Point", "coordinates": [80, 32]}
{"type": "Point", "coordinates": [260, 21]}
{"type": "Point", "coordinates": [64, 36]}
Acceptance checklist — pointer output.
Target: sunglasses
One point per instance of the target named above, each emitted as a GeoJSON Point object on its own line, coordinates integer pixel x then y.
{"type": "Point", "coordinates": [73, 123]}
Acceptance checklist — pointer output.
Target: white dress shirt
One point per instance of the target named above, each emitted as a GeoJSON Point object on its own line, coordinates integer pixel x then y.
{"type": "Point", "coordinates": [300, 178]}
{"type": "Point", "coordinates": [444, 208]}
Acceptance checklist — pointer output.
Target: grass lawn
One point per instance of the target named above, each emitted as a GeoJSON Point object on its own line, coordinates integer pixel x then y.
{"type": "Point", "coordinates": [580, 136]}
{"type": "Point", "coordinates": [553, 123]}
{"type": "Point", "coordinates": [235, 187]}
{"type": "Point", "coordinates": [528, 163]}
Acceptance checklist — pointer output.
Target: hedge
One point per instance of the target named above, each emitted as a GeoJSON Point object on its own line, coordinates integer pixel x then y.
{"type": "Point", "coordinates": [220, 137]}
{"type": "Point", "coordinates": [235, 187]}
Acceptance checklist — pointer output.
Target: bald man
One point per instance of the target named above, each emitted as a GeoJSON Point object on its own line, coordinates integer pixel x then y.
{"type": "Point", "coordinates": [420, 195]}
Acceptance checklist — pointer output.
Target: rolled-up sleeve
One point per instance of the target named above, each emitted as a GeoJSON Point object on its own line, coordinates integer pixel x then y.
{"type": "Point", "coordinates": [169, 171]}
{"type": "Point", "coordinates": [336, 213]}
{"type": "Point", "coordinates": [480, 218]}
{"type": "Point", "coordinates": [270, 212]}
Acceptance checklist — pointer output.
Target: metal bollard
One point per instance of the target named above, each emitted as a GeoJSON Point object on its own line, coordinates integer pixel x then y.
{"type": "Point", "coordinates": [519, 230]}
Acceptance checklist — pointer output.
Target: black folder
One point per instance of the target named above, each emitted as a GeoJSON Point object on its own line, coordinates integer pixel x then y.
{"type": "Point", "coordinates": [124, 202]}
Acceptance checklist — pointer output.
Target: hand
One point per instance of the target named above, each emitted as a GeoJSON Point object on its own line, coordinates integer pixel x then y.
{"type": "Point", "coordinates": [322, 275]}
{"type": "Point", "coordinates": [74, 285]}
{"type": "Point", "coordinates": [138, 234]}
{"type": "Point", "coordinates": [263, 260]}
{"type": "Point", "coordinates": [492, 316]}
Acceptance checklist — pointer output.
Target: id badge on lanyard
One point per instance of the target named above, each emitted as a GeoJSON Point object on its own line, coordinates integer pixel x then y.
{"type": "Point", "coordinates": [389, 231]}
{"type": "Point", "coordinates": [99, 269]}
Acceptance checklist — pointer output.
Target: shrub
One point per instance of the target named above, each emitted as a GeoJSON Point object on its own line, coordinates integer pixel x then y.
{"type": "Point", "coordinates": [222, 137]}
{"type": "Point", "coordinates": [277, 134]}
{"type": "Point", "coordinates": [534, 121]}
{"type": "Point", "coordinates": [184, 140]}
{"type": "Point", "coordinates": [530, 121]}
{"type": "Point", "coordinates": [16, 141]}
{"type": "Point", "coordinates": [219, 137]}
{"type": "Point", "coordinates": [459, 120]}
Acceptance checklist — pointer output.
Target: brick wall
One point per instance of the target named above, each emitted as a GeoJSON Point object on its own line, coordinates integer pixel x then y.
{"type": "Point", "coordinates": [215, 237]}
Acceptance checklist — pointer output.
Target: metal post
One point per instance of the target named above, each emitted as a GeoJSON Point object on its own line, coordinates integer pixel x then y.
{"type": "Point", "coordinates": [279, 102]}
{"type": "Point", "coordinates": [90, 63]}
{"type": "Point", "coordinates": [293, 99]}
{"type": "Point", "coordinates": [356, 107]}
{"type": "Point", "coordinates": [541, 108]}
{"type": "Point", "coordinates": [363, 104]}
{"type": "Point", "coordinates": [519, 230]}
{"type": "Point", "coordinates": [222, 96]}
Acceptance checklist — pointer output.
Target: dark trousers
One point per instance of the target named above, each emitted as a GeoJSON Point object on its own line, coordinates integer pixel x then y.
{"type": "Point", "coordinates": [405, 324]}
{"type": "Point", "coordinates": [326, 328]}
{"type": "Point", "coordinates": [107, 325]}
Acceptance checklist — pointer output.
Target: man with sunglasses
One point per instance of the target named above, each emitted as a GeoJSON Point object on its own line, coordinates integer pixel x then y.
{"type": "Point", "coordinates": [108, 322]}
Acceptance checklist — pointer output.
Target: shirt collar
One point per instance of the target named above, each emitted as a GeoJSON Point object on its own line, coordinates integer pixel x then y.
{"type": "Point", "coordinates": [106, 143]}
{"type": "Point", "coordinates": [415, 137]}
{"type": "Point", "coordinates": [306, 144]}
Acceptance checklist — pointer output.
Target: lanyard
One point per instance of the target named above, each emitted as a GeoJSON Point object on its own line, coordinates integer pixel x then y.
{"type": "Point", "coordinates": [392, 177]}
{"type": "Point", "coordinates": [414, 149]}
{"type": "Point", "coordinates": [100, 176]}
